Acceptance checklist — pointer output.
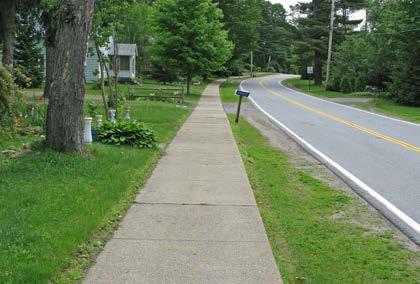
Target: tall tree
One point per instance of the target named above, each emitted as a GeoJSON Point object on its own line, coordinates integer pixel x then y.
{"type": "Point", "coordinates": [65, 108]}
{"type": "Point", "coordinates": [190, 37]}
{"type": "Point", "coordinates": [396, 24]}
{"type": "Point", "coordinates": [8, 29]}
{"type": "Point", "coordinates": [241, 18]}
{"type": "Point", "coordinates": [313, 27]}
{"type": "Point", "coordinates": [8, 12]}
{"type": "Point", "coordinates": [136, 28]}
{"type": "Point", "coordinates": [107, 19]}
{"type": "Point", "coordinates": [28, 51]}
{"type": "Point", "coordinates": [275, 38]}
{"type": "Point", "coordinates": [313, 35]}
{"type": "Point", "coordinates": [49, 19]}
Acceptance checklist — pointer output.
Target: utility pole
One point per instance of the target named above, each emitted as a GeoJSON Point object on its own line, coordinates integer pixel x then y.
{"type": "Point", "coordinates": [330, 43]}
{"type": "Point", "coordinates": [252, 62]}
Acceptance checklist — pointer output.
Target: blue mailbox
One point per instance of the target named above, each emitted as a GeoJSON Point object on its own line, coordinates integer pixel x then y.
{"type": "Point", "coordinates": [242, 93]}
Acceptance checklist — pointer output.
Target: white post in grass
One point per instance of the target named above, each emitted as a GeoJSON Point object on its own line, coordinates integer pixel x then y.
{"type": "Point", "coordinates": [127, 113]}
{"type": "Point", "coordinates": [98, 118]}
{"type": "Point", "coordinates": [112, 115]}
{"type": "Point", "coordinates": [87, 135]}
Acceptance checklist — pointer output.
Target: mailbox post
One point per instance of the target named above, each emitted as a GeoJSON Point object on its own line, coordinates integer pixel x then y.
{"type": "Point", "coordinates": [309, 71]}
{"type": "Point", "coordinates": [240, 94]}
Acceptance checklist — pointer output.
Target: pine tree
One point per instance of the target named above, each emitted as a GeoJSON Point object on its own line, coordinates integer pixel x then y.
{"type": "Point", "coordinates": [28, 52]}
{"type": "Point", "coordinates": [275, 38]}
{"type": "Point", "coordinates": [312, 43]}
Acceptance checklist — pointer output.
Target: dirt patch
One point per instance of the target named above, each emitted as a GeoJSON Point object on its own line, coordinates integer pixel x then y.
{"type": "Point", "coordinates": [358, 212]}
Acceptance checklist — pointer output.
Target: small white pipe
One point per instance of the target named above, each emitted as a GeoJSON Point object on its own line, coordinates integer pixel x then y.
{"type": "Point", "coordinates": [87, 135]}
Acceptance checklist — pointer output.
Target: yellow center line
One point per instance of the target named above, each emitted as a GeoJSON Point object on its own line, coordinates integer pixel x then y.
{"type": "Point", "coordinates": [343, 121]}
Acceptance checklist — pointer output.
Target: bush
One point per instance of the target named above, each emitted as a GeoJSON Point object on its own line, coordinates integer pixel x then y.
{"type": "Point", "coordinates": [333, 84]}
{"type": "Point", "coordinates": [360, 84]}
{"type": "Point", "coordinates": [32, 113]}
{"type": "Point", "coordinates": [346, 85]}
{"type": "Point", "coordinates": [270, 69]}
{"type": "Point", "coordinates": [9, 93]}
{"type": "Point", "coordinates": [92, 109]}
{"type": "Point", "coordinates": [21, 78]}
{"type": "Point", "coordinates": [122, 132]}
{"type": "Point", "coordinates": [96, 85]}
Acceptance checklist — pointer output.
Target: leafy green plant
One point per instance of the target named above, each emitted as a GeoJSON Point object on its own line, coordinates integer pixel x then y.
{"type": "Point", "coordinates": [346, 85]}
{"type": "Point", "coordinates": [360, 84]}
{"type": "Point", "coordinates": [31, 117]}
{"type": "Point", "coordinates": [333, 84]}
{"type": "Point", "coordinates": [9, 93]}
{"type": "Point", "coordinates": [92, 109]}
{"type": "Point", "coordinates": [121, 132]}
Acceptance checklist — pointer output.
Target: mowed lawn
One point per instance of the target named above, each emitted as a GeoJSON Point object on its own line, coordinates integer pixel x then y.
{"type": "Point", "coordinates": [379, 105]}
{"type": "Point", "coordinates": [316, 232]}
{"type": "Point", "coordinates": [57, 209]}
{"type": "Point", "coordinates": [228, 89]}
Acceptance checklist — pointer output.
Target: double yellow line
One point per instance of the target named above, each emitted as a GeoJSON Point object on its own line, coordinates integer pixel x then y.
{"type": "Point", "coordinates": [343, 121]}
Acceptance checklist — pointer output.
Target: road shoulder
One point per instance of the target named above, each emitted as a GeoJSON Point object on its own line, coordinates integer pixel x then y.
{"type": "Point", "coordinates": [351, 216]}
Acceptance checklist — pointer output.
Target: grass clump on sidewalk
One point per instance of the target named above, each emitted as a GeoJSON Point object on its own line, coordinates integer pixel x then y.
{"type": "Point", "coordinates": [309, 242]}
{"type": "Point", "coordinates": [57, 210]}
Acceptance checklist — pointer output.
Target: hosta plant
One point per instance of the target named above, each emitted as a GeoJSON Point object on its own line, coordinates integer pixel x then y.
{"type": "Point", "coordinates": [123, 132]}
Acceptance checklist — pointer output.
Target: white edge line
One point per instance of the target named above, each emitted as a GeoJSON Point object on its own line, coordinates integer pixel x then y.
{"type": "Point", "coordinates": [350, 107]}
{"type": "Point", "coordinates": [391, 207]}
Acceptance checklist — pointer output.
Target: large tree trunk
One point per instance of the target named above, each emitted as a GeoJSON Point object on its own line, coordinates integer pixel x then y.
{"type": "Point", "coordinates": [189, 79]}
{"type": "Point", "coordinates": [65, 108]}
{"type": "Point", "coordinates": [317, 68]}
{"type": "Point", "coordinates": [8, 29]}
{"type": "Point", "coordinates": [50, 59]}
{"type": "Point", "coordinates": [50, 24]}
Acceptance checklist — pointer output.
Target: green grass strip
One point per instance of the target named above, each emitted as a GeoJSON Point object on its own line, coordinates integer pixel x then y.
{"type": "Point", "coordinates": [57, 210]}
{"type": "Point", "coordinates": [310, 245]}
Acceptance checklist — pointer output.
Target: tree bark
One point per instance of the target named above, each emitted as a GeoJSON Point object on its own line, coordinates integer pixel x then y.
{"type": "Point", "coordinates": [317, 68]}
{"type": "Point", "coordinates": [8, 29]}
{"type": "Point", "coordinates": [50, 24]}
{"type": "Point", "coordinates": [65, 108]}
{"type": "Point", "coordinates": [50, 59]}
{"type": "Point", "coordinates": [189, 79]}
{"type": "Point", "coordinates": [101, 67]}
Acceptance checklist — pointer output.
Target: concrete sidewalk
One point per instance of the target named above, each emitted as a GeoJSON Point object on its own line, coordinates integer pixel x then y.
{"type": "Point", "coordinates": [196, 220]}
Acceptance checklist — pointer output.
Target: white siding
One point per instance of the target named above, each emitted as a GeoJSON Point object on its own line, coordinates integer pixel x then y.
{"type": "Point", "coordinates": [92, 64]}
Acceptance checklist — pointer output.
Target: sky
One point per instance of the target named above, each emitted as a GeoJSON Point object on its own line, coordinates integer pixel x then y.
{"type": "Point", "coordinates": [286, 3]}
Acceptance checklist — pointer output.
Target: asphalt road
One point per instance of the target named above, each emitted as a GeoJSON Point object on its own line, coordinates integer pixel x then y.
{"type": "Point", "coordinates": [378, 156]}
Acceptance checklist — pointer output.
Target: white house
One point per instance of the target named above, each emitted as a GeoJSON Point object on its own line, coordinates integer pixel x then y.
{"type": "Point", "coordinates": [127, 54]}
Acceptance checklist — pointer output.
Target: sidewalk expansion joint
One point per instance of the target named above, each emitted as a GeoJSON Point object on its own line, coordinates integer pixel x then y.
{"type": "Point", "coordinates": [193, 204]}
{"type": "Point", "coordinates": [188, 240]}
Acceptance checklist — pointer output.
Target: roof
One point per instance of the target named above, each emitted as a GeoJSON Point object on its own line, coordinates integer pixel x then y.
{"type": "Point", "coordinates": [124, 49]}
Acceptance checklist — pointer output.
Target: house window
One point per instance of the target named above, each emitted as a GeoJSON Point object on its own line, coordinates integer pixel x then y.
{"type": "Point", "coordinates": [124, 63]}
